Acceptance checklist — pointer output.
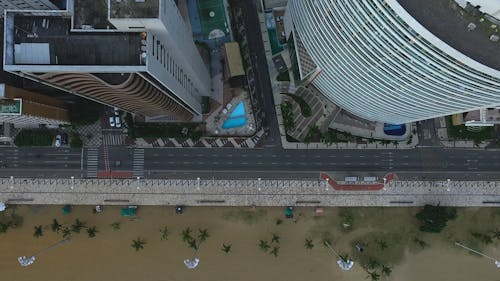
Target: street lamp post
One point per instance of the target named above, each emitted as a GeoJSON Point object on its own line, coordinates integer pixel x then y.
{"type": "Point", "coordinates": [72, 182]}
{"type": "Point", "coordinates": [343, 263]}
{"type": "Point", "coordinates": [258, 182]}
{"type": "Point", "coordinates": [11, 182]}
{"type": "Point", "coordinates": [198, 183]}
{"type": "Point", "coordinates": [497, 263]}
{"type": "Point", "coordinates": [27, 261]}
{"type": "Point", "coordinates": [138, 182]}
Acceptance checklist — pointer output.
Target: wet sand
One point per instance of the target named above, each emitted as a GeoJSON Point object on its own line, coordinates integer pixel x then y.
{"type": "Point", "coordinates": [109, 255]}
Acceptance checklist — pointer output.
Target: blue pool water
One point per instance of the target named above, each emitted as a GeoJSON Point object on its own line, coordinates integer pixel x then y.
{"type": "Point", "coordinates": [237, 118]}
{"type": "Point", "coordinates": [394, 130]}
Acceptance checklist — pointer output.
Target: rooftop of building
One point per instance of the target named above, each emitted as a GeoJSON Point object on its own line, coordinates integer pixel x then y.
{"type": "Point", "coordinates": [58, 46]}
{"type": "Point", "coordinates": [134, 8]}
{"type": "Point", "coordinates": [91, 14]}
{"type": "Point", "coordinates": [448, 21]}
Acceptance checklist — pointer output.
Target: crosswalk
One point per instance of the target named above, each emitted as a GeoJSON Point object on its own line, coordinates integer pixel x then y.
{"type": "Point", "coordinates": [138, 164]}
{"type": "Point", "coordinates": [114, 139]}
{"type": "Point", "coordinates": [92, 162]}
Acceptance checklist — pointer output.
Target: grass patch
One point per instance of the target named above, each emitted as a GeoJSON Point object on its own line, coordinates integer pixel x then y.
{"type": "Point", "coordinates": [283, 76]}
{"type": "Point", "coordinates": [33, 137]}
{"type": "Point", "coordinates": [287, 114]}
{"type": "Point", "coordinates": [461, 132]}
{"type": "Point", "coordinates": [158, 130]}
{"type": "Point", "coordinates": [305, 109]}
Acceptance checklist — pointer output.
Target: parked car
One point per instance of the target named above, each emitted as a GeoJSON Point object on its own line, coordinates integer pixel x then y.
{"type": "Point", "coordinates": [112, 121]}
{"type": "Point", "coordinates": [64, 139]}
{"type": "Point", "coordinates": [58, 140]}
{"type": "Point", "coordinates": [117, 122]}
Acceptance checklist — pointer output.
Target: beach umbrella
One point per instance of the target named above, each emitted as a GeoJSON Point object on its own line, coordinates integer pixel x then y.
{"type": "Point", "coordinates": [2, 206]}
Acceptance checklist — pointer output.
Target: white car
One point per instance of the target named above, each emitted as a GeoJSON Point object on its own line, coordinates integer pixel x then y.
{"type": "Point", "coordinates": [112, 121]}
{"type": "Point", "coordinates": [58, 140]}
{"type": "Point", "coordinates": [117, 122]}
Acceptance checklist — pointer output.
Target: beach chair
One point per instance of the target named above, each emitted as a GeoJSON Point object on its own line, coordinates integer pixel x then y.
{"type": "Point", "coordinates": [129, 211]}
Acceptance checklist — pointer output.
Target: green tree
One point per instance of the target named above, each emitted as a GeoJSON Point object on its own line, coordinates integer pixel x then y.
{"type": "Point", "coordinates": [203, 234]}
{"type": "Point", "coordinates": [275, 251]}
{"type": "Point", "coordinates": [66, 231]}
{"type": "Point", "coordinates": [309, 244]}
{"type": "Point", "coordinates": [434, 218]}
{"type": "Point", "coordinates": [275, 238]}
{"type": "Point", "coordinates": [138, 244]}
{"type": "Point", "coordinates": [372, 263]}
{"type": "Point", "coordinates": [91, 231]}
{"type": "Point", "coordinates": [226, 248]}
{"type": "Point", "coordinates": [164, 233]}
{"type": "Point", "coordinates": [55, 226]}
{"type": "Point", "coordinates": [76, 141]}
{"type": "Point", "coordinates": [264, 245]}
{"type": "Point", "coordinates": [496, 234]}
{"type": "Point", "coordinates": [115, 225]}
{"type": "Point", "coordinates": [382, 244]}
{"type": "Point", "coordinates": [77, 226]}
{"type": "Point", "coordinates": [374, 276]}
{"type": "Point", "coordinates": [38, 231]}
{"type": "Point", "coordinates": [386, 270]}
{"type": "Point", "coordinates": [186, 235]}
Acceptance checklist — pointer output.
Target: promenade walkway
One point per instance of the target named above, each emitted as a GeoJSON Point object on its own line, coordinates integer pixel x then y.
{"type": "Point", "coordinates": [244, 192]}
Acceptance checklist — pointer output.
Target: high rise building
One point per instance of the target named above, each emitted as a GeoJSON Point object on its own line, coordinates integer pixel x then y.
{"type": "Point", "coordinates": [27, 109]}
{"type": "Point", "coordinates": [395, 61]}
{"type": "Point", "coordinates": [27, 5]}
{"type": "Point", "coordinates": [144, 61]}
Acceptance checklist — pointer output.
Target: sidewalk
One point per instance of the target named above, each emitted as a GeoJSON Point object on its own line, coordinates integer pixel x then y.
{"type": "Point", "coordinates": [208, 142]}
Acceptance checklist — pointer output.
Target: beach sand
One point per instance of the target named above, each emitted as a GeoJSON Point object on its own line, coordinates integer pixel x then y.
{"type": "Point", "coordinates": [109, 256]}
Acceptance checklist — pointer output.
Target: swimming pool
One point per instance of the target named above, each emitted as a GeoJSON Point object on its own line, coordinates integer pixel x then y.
{"type": "Point", "coordinates": [237, 118]}
{"type": "Point", "coordinates": [394, 130]}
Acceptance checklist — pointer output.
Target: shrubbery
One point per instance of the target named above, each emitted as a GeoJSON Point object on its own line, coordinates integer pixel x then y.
{"type": "Point", "coordinates": [38, 137]}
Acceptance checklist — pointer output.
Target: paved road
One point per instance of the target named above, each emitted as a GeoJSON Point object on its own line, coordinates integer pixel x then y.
{"type": "Point", "coordinates": [259, 65]}
{"type": "Point", "coordinates": [252, 163]}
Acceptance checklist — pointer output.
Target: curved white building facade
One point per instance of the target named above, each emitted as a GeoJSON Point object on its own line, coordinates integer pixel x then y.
{"type": "Point", "coordinates": [376, 61]}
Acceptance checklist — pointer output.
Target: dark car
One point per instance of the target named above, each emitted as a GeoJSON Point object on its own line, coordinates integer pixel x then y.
{"type": "Point", "coordinates": [64, 139]}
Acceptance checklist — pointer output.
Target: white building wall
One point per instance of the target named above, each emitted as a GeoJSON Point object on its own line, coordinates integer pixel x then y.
{"type": "Point", "coordinates": [175, 61]}
{"type": "Point", "coordinates": [379, 63]}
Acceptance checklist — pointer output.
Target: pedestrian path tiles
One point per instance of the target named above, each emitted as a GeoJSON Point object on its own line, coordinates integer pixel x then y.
{"type": "Point", "coordinates": [233, 142]}
{"type": "Point", "coordinates": [92, 162]}
{"type": "Point", "coordinates": [114, 139]}
{"type": "Point", "coordinates": [138, 163]}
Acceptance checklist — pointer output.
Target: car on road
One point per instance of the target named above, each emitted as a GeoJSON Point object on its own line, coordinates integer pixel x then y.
{"type": "Point", "coordinates": [58, 140]}
{"type": "Point", "coordinates": [64, 139]}
{"type": "Point", "coordinates": [117, 122]}
{"type": "Point", "coordinates": [115, 111]}
{"type": "Point", "coordinates": [112, 121]}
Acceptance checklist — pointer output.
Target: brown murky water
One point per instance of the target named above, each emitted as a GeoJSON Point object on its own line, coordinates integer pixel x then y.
{"type": "Point", "coordinates": [109, 255]}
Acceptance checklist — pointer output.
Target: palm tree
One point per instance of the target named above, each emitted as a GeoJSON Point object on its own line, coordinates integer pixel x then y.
{"type": "Point", "coordinates": [382, 244]}
{"type": "Point", "coordinates": [386, 270]}
{"type": "Point", "coordinates": [186, 235]}
{"type": "Point", "coordinates": [55, 226]}
{"type": "Point", "coordinates": [226, 248]}
{"type": "Point", "coordinates": [164, 233]}
{"type": "Point", "coordinates": [192, 244]}
{"type": "Point", "coordinates": [91, 231]}
{"type": "Point", "coordinates": [275, 238]}
{"type": "Point", "coordinates": [66, 232]}
{"type": "Point", "coordinates": [203, 234]}
{"type": "Point", "coordinates": [38, 231]}
{"type": "Point", "coordinates": [309, 244]}
{"type": "Point", "coordinates": [138, 244]}
{"type": "Point", "coordinates": [264, 246]}
{"type": "Point", "coordinates": [373, 275]}
{"type": "Point", "coordinates": [372, 263]}
{"type": "Point", "coordinates": [77, 226]}
{"type": "Point", "coordinates": [279, 221]}
{"type": "Point", "coordinates": [275, 251]}
{"type": "Point", "coordinates": [115, 225]}
{"type": "Point", "coordinates": [496, 234]}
